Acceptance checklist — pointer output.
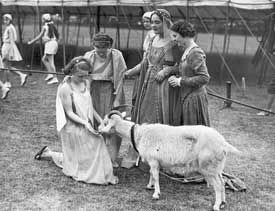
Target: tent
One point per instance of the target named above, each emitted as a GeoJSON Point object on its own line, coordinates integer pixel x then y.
{"type": "Point", "coordinates": [211, 15]}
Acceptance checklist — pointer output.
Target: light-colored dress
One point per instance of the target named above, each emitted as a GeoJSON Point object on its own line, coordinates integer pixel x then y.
{"type": "Point", "coordinates": [84, 155]}
{"type": "Point", "coordinates": [107, 87]}
{"type": "Point", "coordinates": [51, 45]}
{"type": "Point", "coordinates": [9, 49]}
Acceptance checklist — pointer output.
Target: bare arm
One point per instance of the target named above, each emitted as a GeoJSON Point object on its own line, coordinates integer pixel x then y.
{"type": "Point", "coordinates": [97, 117]}
{"type": "Point", "coordinates": [66, 99]}
{"type": "Point", "coordinates": [37, 37]}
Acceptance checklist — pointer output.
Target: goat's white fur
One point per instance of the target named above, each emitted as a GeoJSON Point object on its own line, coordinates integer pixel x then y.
{"type": "Point", "coordinates": [193, 148]}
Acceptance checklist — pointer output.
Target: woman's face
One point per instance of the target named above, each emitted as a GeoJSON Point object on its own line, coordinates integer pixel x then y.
{"type": "Point", "coordinates": [101, 51]}
{"type": "Point", "coordinates": [157, 24]}
{"type": "Point", "coordinates": [146, 23]}
{"type": "Point", "coordinates": [175, 36]}
{"type": "Point", "coordinates": [6, 21]}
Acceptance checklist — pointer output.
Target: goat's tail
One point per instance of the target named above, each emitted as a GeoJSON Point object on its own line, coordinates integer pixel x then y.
{"type": "Point", "coordinates": [232, 149]}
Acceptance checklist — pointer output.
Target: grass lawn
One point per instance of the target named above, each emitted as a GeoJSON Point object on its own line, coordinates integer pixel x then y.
{"type": "Point", "coordinates": [28, 123]}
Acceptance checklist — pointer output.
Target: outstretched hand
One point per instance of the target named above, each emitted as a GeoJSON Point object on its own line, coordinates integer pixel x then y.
{"type": "Point", "coordinates": [89, 127]}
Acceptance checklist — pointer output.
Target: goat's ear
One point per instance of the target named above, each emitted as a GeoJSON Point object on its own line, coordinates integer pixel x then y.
{"type": "Point", "coordinates": [123, 114]}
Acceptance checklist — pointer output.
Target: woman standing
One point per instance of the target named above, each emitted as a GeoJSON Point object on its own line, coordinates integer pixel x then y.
{"type": "Point", "coordinates": [10, 52]}
{"type": "Point", "coordinates": [154, 102]}
{"type": "Point", "coordinates": [193, 77]}
{"type": "Point", "coordinates": [107, 68]}
{"type": "Point", "coordinates": [84, 154]}
{"type": "Point", "coordinates": [49, 35]}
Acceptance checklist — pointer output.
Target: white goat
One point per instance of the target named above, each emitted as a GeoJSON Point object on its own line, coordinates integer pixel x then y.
{"type": "Point", "coordinates": [193, 148]}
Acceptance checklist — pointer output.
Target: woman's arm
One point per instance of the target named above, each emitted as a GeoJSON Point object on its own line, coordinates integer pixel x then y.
{"type": "Point", "coordinates": [66, 99]}
{"type": "Point", "coordinates": [97, 117]}
{"type": "Point", "coordinates": [37, 37]}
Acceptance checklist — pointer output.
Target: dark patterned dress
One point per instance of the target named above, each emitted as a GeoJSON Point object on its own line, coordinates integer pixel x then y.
{"type": "Point", "coordinates": [193, 96]}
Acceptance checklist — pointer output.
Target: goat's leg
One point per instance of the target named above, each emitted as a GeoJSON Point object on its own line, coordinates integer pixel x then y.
{"type": "Point", "coordinates": [154, 168]}
{"type": "Point", "coordinates": [150, 185]}
{"type": "Point", "coordinates": [222, 206]}
{"type": "Point", "coordinates": [217, 185]}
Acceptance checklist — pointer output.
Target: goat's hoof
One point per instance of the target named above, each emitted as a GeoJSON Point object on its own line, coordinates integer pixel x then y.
{"type": "Point", "coordinates": [156, 196]}
{"type": "Point", "coordinates": [150, 187]}
{"type": "Point", "coordinates": [215, 208]}
{"type": "Point", "coordinates": [223, 205]}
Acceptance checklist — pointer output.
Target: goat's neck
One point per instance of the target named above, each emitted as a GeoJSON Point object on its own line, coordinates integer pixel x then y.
{"type": "Point", "coordinates": [123, 128]}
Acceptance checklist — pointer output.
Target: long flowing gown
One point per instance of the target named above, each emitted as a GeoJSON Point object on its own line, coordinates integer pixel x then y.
{"type": "Point", "coordinates": [84, 155]}
{"type": "Point", "coordinates": [155, 101]}
{"type": "Point", "coordinates": [193, 100]}
{"type": "Point", "coordinates": [106, 88]}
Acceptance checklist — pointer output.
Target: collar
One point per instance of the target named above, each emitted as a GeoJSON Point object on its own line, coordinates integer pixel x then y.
{"type": "Point", "coordinates": [133, 138]}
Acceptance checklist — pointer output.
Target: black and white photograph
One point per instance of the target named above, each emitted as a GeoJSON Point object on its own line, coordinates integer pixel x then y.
{"type": "Point", "coordinates": [137, 105]}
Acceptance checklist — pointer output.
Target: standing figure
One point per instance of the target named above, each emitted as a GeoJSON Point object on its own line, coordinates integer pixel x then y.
{"type": "Point", "coordinates": [49, 35]}
{"type": "Point", "coordinates": [107, 68]}
{"type": "Point", "coordinates": [84, 154]}
{"type": "Point", "coordinates": [192, 79]}
{"type": "Point", "coordinates": [154, 102]}
{"type": "Point", "coordinates": [139, 70]}
{"type": "Point", "coordinates": [10, 52]}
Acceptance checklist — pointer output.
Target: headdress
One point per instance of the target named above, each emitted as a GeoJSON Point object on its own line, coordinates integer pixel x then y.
{"type": "Point", "coordinates": [102, 40]}
{"type": "Point", "coordinates": [47, 17]}
{"type": "Point", "coordinates": [8, 16]}
{"type": "Point", "coordinates": [77, 63]}
{"type": "Point", "coordinates": [162, 13]}
{"type": "Point", "coordinates": [147, 15]}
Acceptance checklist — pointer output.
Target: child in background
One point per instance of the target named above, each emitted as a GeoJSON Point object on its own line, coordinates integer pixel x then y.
{"type": "Point", "coordinates": [10, 52]}
{"type": "Point", "coordinates": [49, 35]}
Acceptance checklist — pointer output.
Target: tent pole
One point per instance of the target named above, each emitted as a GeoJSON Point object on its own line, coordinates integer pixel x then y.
{"type": "Point", "coordinates": [117, 27]}
{"type": "Point", "coordinates": [224, 42]}
{"type": "Point", "coordinates": [97, 28]}
{"type": "Point", "coordinates": [1, 21]}
{"type": "Point", "coordinates": [18, 14]}
{"type": "Point", "coordinates": [90, 21]}
{"type": "Point", "coordinates": [68, 26]}
{"type": "Point", "coordinates": [245, 43]}
{"type": "Point", "coordinates": [213, 35]}
{"type": "Point", "coordinates": [63, 35]}
{"type": "Point", "coordinates": [187, 11]}
{"type": "Point", "coordinates": [40, 42]}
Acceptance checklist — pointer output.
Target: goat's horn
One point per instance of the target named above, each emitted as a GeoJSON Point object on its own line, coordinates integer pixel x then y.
{"type": "Point", "coordinates": [114, 112]}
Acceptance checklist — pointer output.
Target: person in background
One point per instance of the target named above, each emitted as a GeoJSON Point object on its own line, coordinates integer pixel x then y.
{"type": "Point", "coordinates": [193, 77]}
{"type": "Point", "coordinates": [49, 35]}
{"type": "Point", "coordinates": [10, 52]}
{"type": "Point", "coordinates": [107, 69]}
{"type": "Point", "coordinates": [84, 155]}
{"type": "Point", "coordinates": [139, 70]}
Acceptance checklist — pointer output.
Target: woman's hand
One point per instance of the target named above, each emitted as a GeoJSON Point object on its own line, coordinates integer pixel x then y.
{"type": "Point", "coordinates": [174, 81]}
{"type": "Point", "coordinates": [160, 76]}
{"type": "Point", "coordinates": [128, 73]}
{"type": "Point", "coordinates": [30, 42]}
{"type": "Point", "coordinates": [89, 127]}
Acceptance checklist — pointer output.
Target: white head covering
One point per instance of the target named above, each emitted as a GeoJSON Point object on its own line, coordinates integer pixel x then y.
{"type": "Point", "coordinates": [46, 17]}
{"type": "Point", "coordinates": [147, 15]}
{"type": "Point", "coordinates": [8, 16]}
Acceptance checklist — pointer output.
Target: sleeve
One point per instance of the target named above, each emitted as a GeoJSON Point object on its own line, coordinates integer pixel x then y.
{"type": "Point", "coordinates": [172, 59]}
{"type": "Point", "coordinates": [119, 68]}
{"type": "Point", "coordinates": [196, 61]}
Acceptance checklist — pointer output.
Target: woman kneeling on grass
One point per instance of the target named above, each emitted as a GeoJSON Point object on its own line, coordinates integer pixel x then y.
{"type": "Point", "coordinates": [84, 154]}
